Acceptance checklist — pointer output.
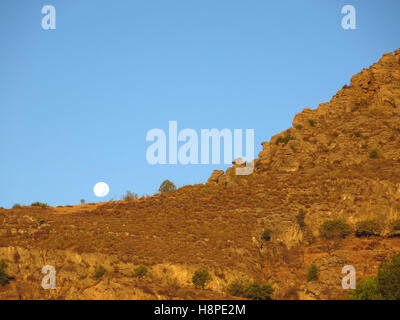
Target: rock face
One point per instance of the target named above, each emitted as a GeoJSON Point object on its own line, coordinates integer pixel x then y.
{"type": "Point", "coordinates": [339, 161]}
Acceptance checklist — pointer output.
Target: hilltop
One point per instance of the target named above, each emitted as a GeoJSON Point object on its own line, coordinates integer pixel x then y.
{"type": "Point", "coordinates": [339, 161]}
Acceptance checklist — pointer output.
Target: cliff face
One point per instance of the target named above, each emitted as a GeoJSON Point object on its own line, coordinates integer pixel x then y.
{"type": "Point", "coordinates": [341, 160]}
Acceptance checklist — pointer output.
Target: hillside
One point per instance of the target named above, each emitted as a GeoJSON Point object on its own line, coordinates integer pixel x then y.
{"type": "Point", "coordinates": [339, 161]}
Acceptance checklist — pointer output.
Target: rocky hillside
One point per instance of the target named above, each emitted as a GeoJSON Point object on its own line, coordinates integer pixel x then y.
{"type": "Point", "coordinates": [339, 161]}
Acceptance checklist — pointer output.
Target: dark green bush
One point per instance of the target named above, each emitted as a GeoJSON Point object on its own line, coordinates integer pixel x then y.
{"type": "Point", "coordinates": [39, 204]}
{"type": "Point", "coordinates": [311, 122]}
{"type": "Point", "coordinates": [4, 277]}
{"type": "Point", "coordinates": [368, 228]}
{"type": "Point", "coordinates": [16, 206]}
{"type": "Point", "coordinates": [395, 225]}
{"type": "Point", "coordinates": [367, 289]}
{"type": "Point", "coordinates": [99, 272]}
{"type": "Point", "coordinates": [312, 272]}
{"type": "Point", "coordinates": [284, 139]}
{"type": "Point", "coordinates": [335, 228]}
{"type": "Point", "coordinates": [250, 289]}
{"type": "Point", "coordinates": [140, 271]}
{"type": "Point", "coordinates": [200, 278]}
{"type": "Point", "coordinates": [300, 219]}
{"type": "Point", "coordinates": [299, 127]}
{"type": "Point", "coordinates": [389, 278]}
{"type": "Point", "coordinates": [374, 154]}
{"type": "Point", "coordinates": [266, 235]}
{"type": "Point", "coordinates": [166, 186]}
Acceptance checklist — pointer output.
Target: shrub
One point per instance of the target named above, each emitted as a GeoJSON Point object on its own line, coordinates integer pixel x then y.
{"type": "Point", "coordinates": [236, 288]}
{"type": "Point", "coordinates": [266, 235]}
{"type": "Point", "coordinates": [395, 225]}
{"type": "Point", "coordinates": [140, 271]}
{"type": "Point", "coordinates": [200, 278]}
{"type": "Point", "coordinates": [374, 154]}
{"type": "Point", "coordinates": [364, 146]}
{"type": "Point", "coordinates": [368, 228]}
{"type": "Point", "coordinates": [166, 186]}
{"type": "Point", "coordinates": [311, 122]}
{"type": "Point", "coordinates": [389, 278]}
{"type": "Point", "coordinates": [254, 290]}
{"type": "Point", "coordinates": [299, 127]}
{"type": "Point", "coordinates": [284, 139]}
{"type": "Point", "coordinates": [312, 272]}
{"type": "Point", "coordinates": [99, 272]}
{"type": "Point", "coordinates": [129, 195]}
{"type": "Point", "coordinates": [4, 277]}
{"type": "Point", "coordinates": [367, 289]}
{"type": "Point", "coordinates": [357, 134]}
{"type": "Point", "coordinates": [39, 204]}
{"type": "Point", "coordinates": [300, 219]}
{"type": "Point", "coordinates": [335, 229]}
{"type": "Point", "coordinates": [16, 206]}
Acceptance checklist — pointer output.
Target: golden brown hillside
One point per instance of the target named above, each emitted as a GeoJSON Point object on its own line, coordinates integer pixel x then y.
{"type": "Point", "coordinates": [339, 161]}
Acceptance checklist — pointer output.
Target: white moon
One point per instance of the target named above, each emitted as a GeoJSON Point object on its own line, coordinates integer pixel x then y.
{"type": "Point", "coordinates": [101, 189]}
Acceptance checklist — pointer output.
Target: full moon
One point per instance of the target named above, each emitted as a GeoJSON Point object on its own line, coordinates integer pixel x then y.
{"type": "Point", "coordinates": [101, 189]}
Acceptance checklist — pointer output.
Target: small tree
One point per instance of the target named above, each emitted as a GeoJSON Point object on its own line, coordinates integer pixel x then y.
{"type": "Point", "coordinates": [200, 278]}
{"type": "Point", "coordinates": [367, 289]}
{"type": "Point", "coordinates": [300, 219]}
{"type": "Point", "coordinates": [39, 204]}
{"type": "Point", "coordinates": [129, 195]}
{"type": "Point", "coordinates": [83, 201]}
{"type": "Point", "coordinates": [312, 272]}
{"type": "Point", "coordinates": [166, 186]}
{"type": "Point", "coordinates": [389, 278]}
{"type": "Point", "coordinates": [254, 290]}
{"type": "Point", "coordinates": [4, 277]}
{"type": "Point", "coordinates": [16, 206]}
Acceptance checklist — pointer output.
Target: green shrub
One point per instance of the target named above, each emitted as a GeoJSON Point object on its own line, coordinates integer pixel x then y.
{"type": "Point", "coordinates": [374, 154]}
{"type": "Point", "coordinates": [39, 204]}
{"type": "Point", "coordinates": [357, 134]}
{"type": "Point", "coordinates": [367, 289]}
{"type": "Point", "coordinates": [16, 206]}
{"type": "Point", "coordinates": [284, 139]}
{"type": "Point", "coordinates": [140, 271]}
{"type": "Point", "coordinates": [299, 127]}
{"type": "Point", "coordinates": [389, 278]}
{"type": "Point", "coordinates": [311, 122]}
{"type": "Point", "coordinates": [335, 228]}
{"type": "Point", "coordinates": [364, 146]}
{"type": "Point", "coordinates": [395, 225]}
{"type": "Point", "coordinates": [312, 272]}
{"type": "Point", "coordinates": [166, 186]}
{"type": "Point", "coordinates": [99, 272]}
{"type": "Point", "coordinates": [129, 195]}
{"type": "Point", "coordinates": [266, 235]}
{"type": "Point", "coordinates": [300, 219]}
{"type": "Point", "coordinates": [4, 277]}
{"type": "Point", "coordinates": [250, 289]}
{"type": "Point", "coordinates": [200, 278]}
{"type": "Point", "coordinates": [254, 290]}
{"type": "Point", "coordinates": [368, 228]}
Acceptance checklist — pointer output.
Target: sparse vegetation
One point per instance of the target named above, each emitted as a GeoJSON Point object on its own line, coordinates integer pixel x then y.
{"type": "Point", "coordinates": [300, 219]}
{"type": "Point", "coordinates": [368, 228]}
{"type": "Point", "coordinates": [83, 201]}
{"type": "Point", "coordinates": [166, 186]}
{"type": "Point", "coordinates": [266, 235]}
{"type": "Point", "coordinates": [311, 122]}
{"type": "Point", "coordinates": [129, 195]}
{"type": "Point", "coordinates": [357, 134]}
{"type": "Point", "coordinates": [395, 227]}
{"type": "Point", "coordinates": [364, 146]}
{"type": "Point", "coordinates": [16, 206]}
{"type": "Point", "coordinates": [336, 228]}
{"type": "Point", "coordinates": [374, 154]}
{"type": "Point", "coordinates": [4, 277]}
{"type": "Point", "coordinates": [99, 272]}
{"type": "Point", "coordinates": [389, 278]}
{"type": "Point", "coordinates": [299, 127]}
{"type": "Point", "coordinates": [39, 204]}
{"type": "Point", "coordinates": [312, 272]}
{"type": "Point", "coordinates": [201, 278]}
{"type": "Point", "coordinates": [140, 271]}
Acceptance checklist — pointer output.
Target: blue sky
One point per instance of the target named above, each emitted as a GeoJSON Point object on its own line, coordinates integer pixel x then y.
{"type": "Point", "coordinates": [76, 102]}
